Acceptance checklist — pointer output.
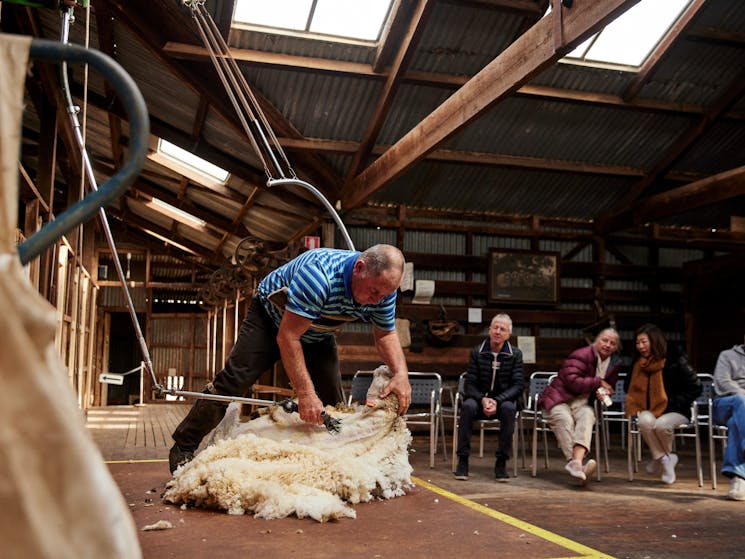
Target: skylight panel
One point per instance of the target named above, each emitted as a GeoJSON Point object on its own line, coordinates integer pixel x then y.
{"type": "Point", "coordinates": [285, 14]}
{"type": "Point", "coordinates": [358, 19]}
{"type": "Point", "coordinates": [361, 20]}
{"type": "Point", "coordinates": [631, 38]}
{"type": "Point", "coordinates": [192, 161]}
{"type": "Point", "coordinates": [176, 213]}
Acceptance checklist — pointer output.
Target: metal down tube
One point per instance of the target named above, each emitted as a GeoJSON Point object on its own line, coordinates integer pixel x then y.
{"type": "Point", "coordinates": [219, 397]}
{"type": "Point", "coordinates": [332, 424]}
{"type": "Point", "coordinates": [117, 185]}
{"type": "Point", "coordinates": [215, 45]}
{"type": "Point", "coordinates": [239, 109]}
{"type": "Point", "coordinates": [73, 115]}
{"type": "Point", "coordinates": [241, 85]}
{"type": "Point", "coordinates": [321, 197]}
{"type": "Point", "coordinates": [228, 74]}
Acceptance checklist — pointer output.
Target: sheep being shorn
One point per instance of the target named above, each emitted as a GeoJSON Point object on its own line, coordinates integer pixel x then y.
{"type": "Point", "coordinates": [277, 465]}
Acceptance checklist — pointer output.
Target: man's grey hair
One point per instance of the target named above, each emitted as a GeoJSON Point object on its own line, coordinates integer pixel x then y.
{"type": "Point", "coordinates": [381, 258]}
{"type": "Point", "coordinates": [502, 317]}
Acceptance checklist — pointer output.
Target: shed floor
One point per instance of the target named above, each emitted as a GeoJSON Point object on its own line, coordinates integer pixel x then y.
{"type": "Point", "coordinates": [544, 517]}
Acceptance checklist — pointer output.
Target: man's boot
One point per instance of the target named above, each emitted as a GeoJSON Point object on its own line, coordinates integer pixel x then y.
{"type": "Point", "coordinates": [500, 469]}
{"type": "Point", "coordinates": [461, 472]}
{"type": "Point", "coordinates": [201, 419]}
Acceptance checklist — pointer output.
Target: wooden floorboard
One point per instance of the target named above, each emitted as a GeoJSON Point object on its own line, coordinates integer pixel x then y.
{"type": "Point", "coordinates": [135, 432]}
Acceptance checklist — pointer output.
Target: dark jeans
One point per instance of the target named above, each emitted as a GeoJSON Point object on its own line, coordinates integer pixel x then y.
{"type": "Point", "coordinates": [254, 352]}
{"type": "Point", "coordinates": [472, 411]}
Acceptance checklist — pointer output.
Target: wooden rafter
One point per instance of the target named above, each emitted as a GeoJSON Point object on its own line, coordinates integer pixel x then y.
{"type": "Point", "coordinates": [106, 44]}
{"type": "Point", "coordinates": [237, 227]}
{"type": "Point", "coordinates": [407, 44]}
{"type": "Point", "coordinates": [619, 218]}
{"type": "Point", "coordinates": [713, 189]}
{"type": "Point", "coordinates": [475, 158]}
{"type": "Point", "coordinates": [523, 59]}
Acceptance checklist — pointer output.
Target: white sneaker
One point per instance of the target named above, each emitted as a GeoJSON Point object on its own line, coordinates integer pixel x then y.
{"type": "Point", "coordinates": [668, 463]}
{"type": "Point", "coordinates": [589, 468]}
{"type": "Point", "coordinates": [736, 489]}
{"type": "Point", "coordinates": [653, 467]}
{"type": "Point", "coordinates": [574, 467]}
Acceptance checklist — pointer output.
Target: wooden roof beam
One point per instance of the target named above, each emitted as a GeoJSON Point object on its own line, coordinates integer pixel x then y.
{"type": "Point", "coordinates": [306, 63]}
{"type": "Point", "coordinates": [542, 45]}
{"type": "Point", "coordinates": [106, 44]}
{"type": "Point", "coordinates": [474, 158]}
{"type": "Point", "coordinates": [713, 189]}
{"type": "Point", "coordinates": [406, 46]}
{"type": "Point", "coordinates": [619, 218]}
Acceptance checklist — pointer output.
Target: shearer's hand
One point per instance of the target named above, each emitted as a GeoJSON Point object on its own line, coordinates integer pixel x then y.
{"type": "Point", "coordinates": [310, 408]}
{"type": "Point", "coordinates": [400, 386]}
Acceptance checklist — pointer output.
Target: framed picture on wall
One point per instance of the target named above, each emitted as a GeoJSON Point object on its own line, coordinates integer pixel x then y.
{"type": "Point", "coordinates": [523, 276]}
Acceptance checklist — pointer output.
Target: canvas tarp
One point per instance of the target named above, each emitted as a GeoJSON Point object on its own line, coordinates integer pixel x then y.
{"type": "Point", "coordinates": [57, 497]}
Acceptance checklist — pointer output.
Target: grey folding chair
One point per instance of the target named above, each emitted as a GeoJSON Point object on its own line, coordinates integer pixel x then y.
{"type": "Point", "coordinates": [426, 409]}
{"type": "Point", "coordinates": [531, 413]}
{"type": "Point", "coordinates": [616, 413]}
{"type": "Point", "coordinates": [700, 418]}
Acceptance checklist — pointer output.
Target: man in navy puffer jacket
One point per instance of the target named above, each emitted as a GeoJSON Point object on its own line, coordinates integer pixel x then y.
{"type": "Point", "coordinates": [493, 387]}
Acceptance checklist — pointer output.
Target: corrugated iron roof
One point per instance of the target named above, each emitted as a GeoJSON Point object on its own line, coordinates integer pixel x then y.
{"type": "Point", "coordinates": [565, 145]}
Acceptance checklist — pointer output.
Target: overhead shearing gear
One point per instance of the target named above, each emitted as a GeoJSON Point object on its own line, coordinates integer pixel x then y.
{"type": "Point", "coordinates": [277, 167]}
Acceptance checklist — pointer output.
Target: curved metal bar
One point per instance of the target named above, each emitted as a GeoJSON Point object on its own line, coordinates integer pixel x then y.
{"type": "Point", "coordinates": [321, 197]}
{"type": "Point", "coordinates": [139, 129]}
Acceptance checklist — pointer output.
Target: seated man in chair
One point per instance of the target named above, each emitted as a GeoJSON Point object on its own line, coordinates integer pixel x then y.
{"type": "Point", "coordinates": [729, 409]}
{"type": "Point", "coordinates": [493, 385]}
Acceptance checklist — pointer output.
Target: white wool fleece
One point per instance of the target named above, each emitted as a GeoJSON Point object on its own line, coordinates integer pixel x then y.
{"type": "Point", "coordinates": [277, 465]}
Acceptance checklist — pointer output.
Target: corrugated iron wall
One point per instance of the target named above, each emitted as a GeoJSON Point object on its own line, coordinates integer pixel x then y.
{"type": "Point", "coordinates": [454, 243]}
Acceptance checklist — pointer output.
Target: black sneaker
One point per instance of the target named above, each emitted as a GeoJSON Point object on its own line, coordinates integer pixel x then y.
{"type": "Point", "coordinates": [178, 457]}
{"type": "Point", "coordinates": [461, 472]}
{"type": "Point", "coordinates": [500, 470]}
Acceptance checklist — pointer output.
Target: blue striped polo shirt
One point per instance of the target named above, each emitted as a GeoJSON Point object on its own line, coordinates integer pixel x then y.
{"type": "Point", "coordinates": [318, 286]}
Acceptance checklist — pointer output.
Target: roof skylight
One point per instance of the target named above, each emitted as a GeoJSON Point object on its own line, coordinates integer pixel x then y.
{"type": "Point", "coordinates": [193, 162]}
{"type": "Point", "coordinates": [631, 38]}
{"type": "Point", "coordinates": [340, 18]}
{"type": "Point", "coordinates": [176, 213]}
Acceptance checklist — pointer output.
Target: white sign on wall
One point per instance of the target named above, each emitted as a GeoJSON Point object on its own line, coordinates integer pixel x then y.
{"type": "Point", "coordinates": [527, 346]}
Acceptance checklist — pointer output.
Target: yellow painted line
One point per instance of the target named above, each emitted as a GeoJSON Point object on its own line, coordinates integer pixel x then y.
{"type": "Point", "coordinates": [583, 551]}
{"type": "Point", "coordinates": [135, 461]}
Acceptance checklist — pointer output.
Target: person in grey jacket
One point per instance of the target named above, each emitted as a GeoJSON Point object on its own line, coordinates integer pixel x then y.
{"type": "Point", "coordinates": [493, 386]}
{"type": "Point", "coordinates": [728, 409]}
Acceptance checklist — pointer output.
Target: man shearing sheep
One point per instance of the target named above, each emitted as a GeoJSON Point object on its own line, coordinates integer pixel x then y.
{"type": "Point", "coordinates": [293, 316]}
